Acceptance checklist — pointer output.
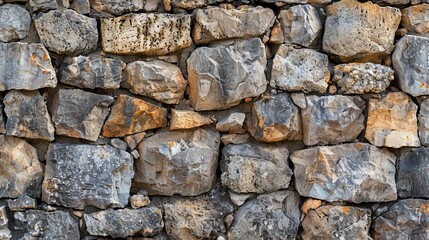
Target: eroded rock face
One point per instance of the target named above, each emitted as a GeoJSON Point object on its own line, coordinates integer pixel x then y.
{"type": "Point", "coordinates": [297, 1]}
{"type": "Point", "coordinates": [179, 162]}
{"type": "Point", "coordinates": [412, 168]}
{"type": "Point", "coordinates": [186, 119]}
{"type": "Point", "coordinates": [46, 5]}
{"type": "Point", "coordinates": [146, 33]}
{"type": "Point", "coordinates": [221, 76]}
{"type": "Point", "coordinates": [14, 22]}
{"type": "Point", "coordinates": [354, 172]}
{"type": "Point", "coordinates": [416, 19]}
{"type": "Point", "coordinates": [190, 4]}
{"type": "Point", "coordinates": [392, 121]}
{"type": "Point", "coordinates": [5, 232]}
{"type": "Point", "coordinates": [423, 120]}
{"type": "Point", "coordinates": [232, 123]}
{"type": "Point", "coordinates": [119, 7]}
{"type": "Point", "coordinates": [83, 175]}
{"type": "Point", "coordinates": [22, 203]}
{"type": "Point", "coordinates": [67, 32]}
{"type": "Point", "coordinates": [365, 40]}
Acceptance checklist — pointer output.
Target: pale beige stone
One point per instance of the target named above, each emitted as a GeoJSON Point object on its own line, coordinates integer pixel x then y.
{"type": "Point", "coordinates": [185, 119]}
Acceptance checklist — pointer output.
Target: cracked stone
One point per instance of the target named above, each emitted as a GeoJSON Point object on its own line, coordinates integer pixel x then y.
{"type": "Point", "coordinates": [14, 22]}
{"type": "Point", "coordinates": [186, 119]}
{"type": "Point", "coordinates": [412, 168]}
{"type": "Point", "coordinates": [416, 19]}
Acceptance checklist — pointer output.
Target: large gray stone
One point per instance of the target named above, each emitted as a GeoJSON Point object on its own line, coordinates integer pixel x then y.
{"type": "Point", "coordinates": [119, 7]}
{"type": "Point", "coordinates": [423, 121]}
{"type": "Point", "coordinates": [416, 19]}
{"type": "Point", "coordinates": [411, 171]}
{"type": "Point", "coordinates": [77, 176]}
{"type": "Point", "coordinates": [221, 76]}
{"type": "Point", "coordinates": [22, 203]}
{"type": "Point", "coordinates": [14, 22]}
{"type": "Point", "coordinates": [354, 172]}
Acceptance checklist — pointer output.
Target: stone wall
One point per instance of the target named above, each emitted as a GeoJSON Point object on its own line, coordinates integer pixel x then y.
{"type": "Point", "coordinates": [214, 119]}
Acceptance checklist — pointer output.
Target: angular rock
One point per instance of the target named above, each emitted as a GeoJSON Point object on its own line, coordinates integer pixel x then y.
{"type": "Point", "coordinates": [416, 19]}
{"type": "Point", "coordinates": [67, 32]}
{"type": "Point", "coordinates": [146, 33]}
{"type": "Point", "coordinates": [216, 23]}
{"type": "Point", "coordinates": [139, 200]}
{"type": "Point", "coordinates": [179, 162]}
{"type": "Point", "coordinates": [255, 168]}
{"type": "Point", "coordinates": [5, 233]}
{"type": "Point", "coordinates": [239, 198]}
{"type": "Point", "coordinates": [423, 120]}
{"type": "Point", "coordinates": [354, 172]}
{"type": "Point", "coordinates": [234, 138]}
{"type": "Point", "coordinates": [360, 78]}
{"type": "Point", "coordinates": [21, 203]}
{"type": "Point", "coordinates": [80, 175]}
{"type": "Point", "coordinates": [220, 77]}
{"type": "Point", "coordinates": [300, 70]}
{"type": "Point", "coordinates": [125, 222]}
{"type": "Point", "coordinates": [81, 6]}
{"type": "Point", "coordinates": [92, 72]}
{"type": "Point", "coordinates": [119, 7]}
{"type": "Point", "coordinates": [410, 63]}
{"type": "Point", "coordinates": [392, 121]}
{"type": "Point", "coordinates": [190, 4]}
{"type": "Point", "coordinates": [365, 40]}
{"type": "Point", "coordinates": [332, 119]}
{"type": "Point", "coordinates": [275, 215]}
{"type": "Point", "coordinates": [337, 222]}
{"type": "Point", "coordinates": [28, 116]}
{"type": "Point", "coordinates": [46, 5]}
{"type": "Point", "coordinates": [232, 123]}
{"type": "Point", "coordinates": [276, 34]}
{"type": "Point", "coordinates": [2, 120]}
{"type": "Point", "coordinates": [25, 66]}
{"type": "Point", "coordinates": [134, 140]}
{"type": "Point", "coordinates": [411, 171]}
{"type": "Point", "coordinates": [186, 119]}
{"type": "Point", "coordinates": [310, 204]}
{"type": "Point", "coordinates": [80, 114]}
{"type": "Point", "coordinates": [14, 22]}
{"type": "Point", "coordinates": [281, 2]}
{"type": "Point", "coordinates": [301, 25]}
{"type": "Point", "coordinates": [119, 144]}
{"type": "Point", "coordinates": [156, 79]}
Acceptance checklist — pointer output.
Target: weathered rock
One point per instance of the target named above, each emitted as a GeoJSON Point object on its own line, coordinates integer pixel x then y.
{"type": "Point", "coordinates": [147, 33]}
{"type": "Point", "coordinates": [255, 168]}
{"type": "Point", "coordinates": [275, 118]}
{"type": "Point", "coordinates": [364, 39]}
{"type": "Point", "coordinates": [2, 120]}
{"type": "Point", "coordinates": [82, 175]}
{"type": "Point", "coordinates": [275, 216]}
{"type": "Point", "coordinates": [156, 79]}
{"type": "Point", "coordinates": [219, 77]}
{"type": "Point", "coordinates": [297, 1]}
{"type": "Point", "coordinates": [411, 171]}
{"type": "Point", "coordinates": [416, 19]}
{"type": "Point", "coordinates": [21, 203]}
{"type": "Point", "coordinates": [186, 119]}
{"type": "Point", "coordinates": [92, 72]}
{"type": "Point", "coordinates": [310, 204]}
{"type": "Point", "coordinates": [179, 162]}
{"type": "Point", "coordinates": [354, 172]}
{"type": "Point", "coordinates": [232, 123]}
{"type": "Point", "coordinates": [276, 34]}
{"type": "Point", "coordinates": [190, 4]}
{"type": "Point", "coordinates": [234, 138]}
{"type": "Point", "coordinates": [25, 66]}
{"type": "Point", "coordinates": [239, 198]}
{"type": "Point", "coordinates": [119, 144]}
{"type": "Point", "coordinates": [410, 63]}
{"type": "Point", "coordinates": [5, 233]}
{"type": "Point", "coordinates": [47, 225]}
{"type": "Point", "coordinates": [14, 22]}
{"type": "Point", "coordinates": [119, 7]}
{"type": "Point", "coordinates": [360, 78]}
{"type": "Point", "coordinates": [332, 119]}
{"type": "Point", "coordinates": [80, 114]}
{"type": "Point", "coordinates": [406, 219]}
{"type": "Point", "coordinates": [398, 3]}
{"type": "Point", "coordinates": [139, 199]}
{"type": "Point", "coordinates": [81, 6]}
{"type": "Point", "coordinates": [423, 120]}
{"type": "Point", "coordinates": [28, 116]}
{"type": "Point", "coordinates": [300, 70]}
{"type": "Point", "coordinates": [67, 32]}
{"type": "Point", "coordinates": [125, 222]}
{"type": "Point", "coordinates": [337, 222]}
{"type": "Point", "coordinates": [301, 25]}
{"type": "Point", "coordinates": [134, 140]}
{"type": "Point", "coordinates": [392, 121]}
{"type": "Point", "coordinates": [216, 23]}
{"type": "Point", "coordinates": [46, 5]}
{"type": "Point", "coordinates": [131, 115]}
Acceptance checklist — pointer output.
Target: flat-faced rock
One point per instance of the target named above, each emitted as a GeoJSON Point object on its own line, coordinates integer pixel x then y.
{"type": "Point", "coordinates": [360, 78]}
{"type": "Point", "coordinates": [423, 120]}
{"type": "Point", "coordinates": [5, 232]}
{"type": "Point", "coordinates": [300, 70]}
{"type": "Point", "coordinates": [255, 167]}
{"type": "Point", "coordinates": [21, 203]}
{"type": "Point", "coordinates": [80, 175]}
{"type": "Point", "coordinates": [131, 115]}
{"type": "Point", "coordinates": [353, 32]}
{"type": "Point", "coordinates": [411, 64]}
{"type": "Point", "coordinates": [221, 76]}
{"type": "Point", "coordinates": [25, 66]}
{"type": "Point", "coordinates": [233, 138]}
{"type": "Point", "coordinates": [14, 22]}
{"type": "Point", "coordinates": [134, 140]}
{"type": "Point", "coordinates": [354, 172]}
{"type": "Point", "coordinates": [146, 33]}
{"type": "Point", "coordinates": [92, 72]}
{"type": "Point", "coordinates": [122, 223]}
{"type": "Point", "coordinates": [46, 5]}
{"type": "Point", "coordinates": [67, 32]}
{"type": "Point", "coordinates": [80, 114]}
{"type": "Point", "coordinates": [119, 7]}
{"type": "Point", "coordinates": [283, 2]}
{"type": "Point", "coordinates": [81, 6]}
{"type": "Point", "coordinates": [215, 23]}
{"type": "Point", "coordinates": [232, 123]}
{"type": "Point", "coordinates": [178, 162]}
{"type": "Point", "coordinates": [332, 119]}
{"type": "Point", "coordinates": [416, 19]}
{"type": "Point", "coordinates": [392, 121]}
{"type": "Point", "coordinates": [190, 4]}
{"type": "Point", "coordinates": [156, 79]}
{"type": "Point", "coordinates": [275, 118]}
{"type": "Point", "coordinates": [28, 116]}
{"type": "Point", "coordinates": [411, 171]}
{"type": "Point", "coordinates": [187, 119]}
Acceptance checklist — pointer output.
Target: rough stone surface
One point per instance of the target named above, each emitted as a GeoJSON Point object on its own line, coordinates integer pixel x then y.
{"type": "Point", "coordinates": [411, 172]}
{"type": "Point", "coordinates": [67, 32]}
{"type": "Point", "coordinates": [300, 70]}
{"type": "Point", "coordinates": [134, 140]}
{"type": "Point", "coordinates": [81, 6]}
{"type": "Point", "coordinates": [232, 123]}
{"type": "Point", "coordinates": [191, 4]}
{"type": "Point", "coordinates": [14, 22]}
{"type": "Point", "coordinates": [82, 175]}
{"type": "Point", "coordinates": [139, 200]}
{"type": "Point", "coordinates": [131, 115]}
{"type": "Point", "coordinates": [416, 19]}
{"type": "Point", "coordinates": [282, 2]}
{"type": "Point", "coordinates": [411, 64]}
{"type": "Point", "coordinates": [119, 7]}
{"type": "Point", "coordinates": [146, 33]}
{"type": "Point", "coordinates": [255, 168]}
{"type": "Point", "coordinates": [2, 120]}
{"type": "Point", "coordinates": [360, 78]}
{"type": "Point", "coordinates": [179, 162]}
{"type": "Point", "coordinates": [423, 120]}
{"type": "Point", "coordinates": [365, 39]}
{"type": "Point", "coordinates": [46, 5]}
{"type": "Point", "coordinates": [186, 119]}
{"type": "Point", "coordinates": [5, 233]}
{"type": "Point", "coordinates": [156, 79]}
{"type": "Point", "coordinates": [234, 138]}
{"type": "Point", "coordinates": [332, 119]}
{"type": "Point", "coordinates": [392, 121]}
{"type": "Point", "coordinates": [21, 203]}
{"type": "Point", "coordinates": [125, 222]}
{"type": "Point", "coordinates": [27, 115]}
{"type": "Point", "coordinates": [354, 172]}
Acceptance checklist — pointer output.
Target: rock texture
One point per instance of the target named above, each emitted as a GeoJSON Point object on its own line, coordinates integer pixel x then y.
{"type": "Point", "coordinates": [119, 7]}
{"type": "Point", "coordinates": [190, 4]}
{"type": "Point", "coordinates": [232, 123]}
{"type": "Point", "coordinates": [22, 203]}
{"type": "Point", "coordinates": [412, 180]}
{"type": "Point", "coordinates": [423, 121]}
{"type": "Point", "coordinates": [416, 19]}
{"type": "Point", "coordinates": [14, 22]}
{"type": "Point", "coordinates": [5, 232]}
{"type": "Point", "coordinates": [46, 5]}
{"type": "Point", "coordinates": [186, 119]}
